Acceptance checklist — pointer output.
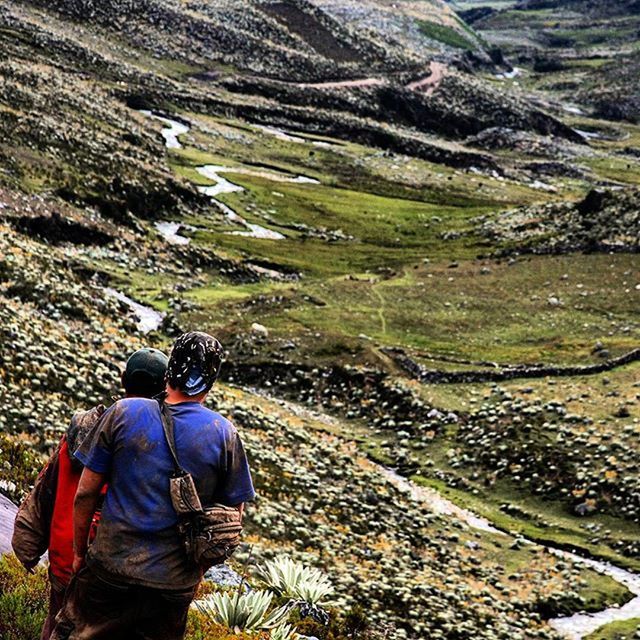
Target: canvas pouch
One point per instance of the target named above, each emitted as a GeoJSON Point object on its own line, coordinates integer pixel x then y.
{"type": "Point", "coordinates": [210, 535]}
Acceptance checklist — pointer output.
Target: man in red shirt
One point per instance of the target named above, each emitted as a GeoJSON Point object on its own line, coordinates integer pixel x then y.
{"type": "Point", "coordinates": [45, 519]}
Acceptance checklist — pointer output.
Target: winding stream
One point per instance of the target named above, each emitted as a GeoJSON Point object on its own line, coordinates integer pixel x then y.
{"type": "Point", "coordinates": [171, 130]}
{"type": "Point", "coordinates": [280, 134]}
{"type": "Point", "coordinates": [575, 627]}
{"type": "Point", "coordinates": [148, 318]}
{"type": "Point", "coordinates": [222, 185]}
{"type": "Point", "coordinates": [167, 229]}
{"type": "Point", "coordinates": [170, 232]}
{"type": "Point", "coordinates": [580, 625]}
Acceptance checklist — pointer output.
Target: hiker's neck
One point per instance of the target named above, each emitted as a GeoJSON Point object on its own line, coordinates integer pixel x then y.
{"type": "Point", "coordinates": [175, 396]}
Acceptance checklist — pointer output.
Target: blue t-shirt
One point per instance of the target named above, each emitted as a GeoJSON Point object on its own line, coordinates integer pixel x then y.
{"type": "Point", "coordinates": [137, 539]}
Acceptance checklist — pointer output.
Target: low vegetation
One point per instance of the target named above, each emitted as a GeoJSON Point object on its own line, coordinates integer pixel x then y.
{"type": "Point", "coordinates": [246, 612]}
{"type": "Point", "coordinates": [446, 35]}
{"type": "Point", "coordinates": [23, 600]}
{"type": "Point", "coordinates": [627, 630]}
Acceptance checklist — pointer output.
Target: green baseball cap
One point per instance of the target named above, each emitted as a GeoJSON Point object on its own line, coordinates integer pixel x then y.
{"type": "Point", "coordinates": [144, 374]}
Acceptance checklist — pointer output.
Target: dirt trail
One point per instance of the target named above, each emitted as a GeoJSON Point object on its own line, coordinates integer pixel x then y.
{"type": "Point", "coordinates": [344, 84]}
{"type": "Point", "coordinates": [431, 82]}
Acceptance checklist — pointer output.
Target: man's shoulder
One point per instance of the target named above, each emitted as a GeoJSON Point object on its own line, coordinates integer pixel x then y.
{"type": "Point", "coordinates": [83, 423]}
{"type": "Point", "coordinates": [85, 419]}
{"type": "Point", "coordinates": [214, 420]}
{"type": "Point", "coordinates": [127, 405]}
{"type": "Point", "coordinates": [219, 419]}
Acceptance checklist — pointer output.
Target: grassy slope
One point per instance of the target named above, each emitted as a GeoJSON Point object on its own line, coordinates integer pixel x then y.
{"type": "Point", "coordinates": [427, 307]}
{"type": "Point", "coordinates": [617, 631]}
{"type": "Point", "coordinates": [397, 210]}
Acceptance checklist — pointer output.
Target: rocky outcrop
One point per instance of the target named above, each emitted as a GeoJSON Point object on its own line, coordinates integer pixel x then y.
{"type": "Point", "coordinates": [55, 229]}
{"type": "Point", "coordinates": [296, 40]}
{"type": "Point", "coordinates": [602, 221]}
{"type": "Point", "coordinates": [348, 391]}
{"type": "Point", "coordinates": [457, 106]}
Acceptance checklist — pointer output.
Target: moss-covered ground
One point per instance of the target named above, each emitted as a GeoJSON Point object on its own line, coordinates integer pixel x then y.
{"type": "Point", "coordinates": [626, 630]}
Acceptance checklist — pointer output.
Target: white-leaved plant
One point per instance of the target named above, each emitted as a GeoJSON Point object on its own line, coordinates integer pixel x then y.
{"type": "Point", "coordinates": [244, 612]}
{"type": "Point", "coordinates": [291, 579]}
{"type": "Point", "coordinates": [284, 632]}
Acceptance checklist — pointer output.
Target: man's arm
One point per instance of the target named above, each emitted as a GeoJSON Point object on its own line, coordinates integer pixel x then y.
{"type": "Point", "coordinates": [84, 506]}
{"type": "Point", "coordinates": [235, 486]}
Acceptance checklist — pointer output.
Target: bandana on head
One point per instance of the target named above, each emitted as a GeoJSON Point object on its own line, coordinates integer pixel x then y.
{"type": "Point", "coordinates": [195, 363]}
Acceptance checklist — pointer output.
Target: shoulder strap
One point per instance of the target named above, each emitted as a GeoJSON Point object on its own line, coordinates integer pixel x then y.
{"type": "Point", "coordinates": [167, 428]}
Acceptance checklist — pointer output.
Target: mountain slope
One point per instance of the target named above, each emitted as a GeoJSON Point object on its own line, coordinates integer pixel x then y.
{"type": "Point", "coordinates": [294, 40]}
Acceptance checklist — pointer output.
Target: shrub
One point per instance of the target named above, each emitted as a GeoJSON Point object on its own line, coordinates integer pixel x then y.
{"type": "Point", "coordinates": [202, 627]}
{"type": "Point", "coordinates": [353, 625]}
{"type": "Point", "coordinates": [19, 466]}
{"type": "Point", "coordinates": [23, 600]}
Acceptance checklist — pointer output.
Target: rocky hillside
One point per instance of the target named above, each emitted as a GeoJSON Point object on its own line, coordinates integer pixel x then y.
{"type": "Point", "coordinates": [604, 221]}
{"type": "Point", "coordinates": [300, 40]}
{"type": "Point", "coordinates": [64, 337]}
{"type": "Point", "coordinates": [63, 132]}
{"type": "Point", "coordinates": [346, 193]}
{"type": "Point", "coordinates": [393, 98]}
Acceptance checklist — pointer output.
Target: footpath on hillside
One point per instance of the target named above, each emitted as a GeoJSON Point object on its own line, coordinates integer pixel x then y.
{"type": "Point", "coordinates": [426, 84]}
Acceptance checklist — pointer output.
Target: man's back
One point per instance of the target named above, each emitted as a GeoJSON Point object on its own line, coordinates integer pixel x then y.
{"type": "Point", "coordinates": [138, 539]}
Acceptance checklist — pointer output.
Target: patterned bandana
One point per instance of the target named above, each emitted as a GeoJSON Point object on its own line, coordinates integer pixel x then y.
{"type": "Point", "coordinates": [195, 363]}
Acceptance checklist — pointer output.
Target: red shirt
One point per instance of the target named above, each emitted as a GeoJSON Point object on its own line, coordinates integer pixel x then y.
{"type": "Point", "coordinates": [61, 529]}
{"type": "Point", "coordinates": [61, 532]}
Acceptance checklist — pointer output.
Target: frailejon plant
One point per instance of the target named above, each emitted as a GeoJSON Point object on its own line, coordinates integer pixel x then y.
{"type": "Point", "coordinates": [287, 578]}
{"type": "Point", "coordinates": [245, 611]}
{"type": "Point", "coordinates": [284, 632]}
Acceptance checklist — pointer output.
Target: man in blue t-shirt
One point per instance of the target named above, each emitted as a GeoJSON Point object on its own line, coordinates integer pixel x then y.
{"type": "Point", "coordinates": [135, 580]}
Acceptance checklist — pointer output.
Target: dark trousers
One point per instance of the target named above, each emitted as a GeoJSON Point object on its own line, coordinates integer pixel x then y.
{"type": "Point", "coordinates": [97, 608]}
{"type": "Point", "coordinates": [56, 600]}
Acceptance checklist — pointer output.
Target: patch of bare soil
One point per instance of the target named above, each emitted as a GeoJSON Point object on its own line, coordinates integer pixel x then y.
{"type": "Point", "coordinates": [312, 32]}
